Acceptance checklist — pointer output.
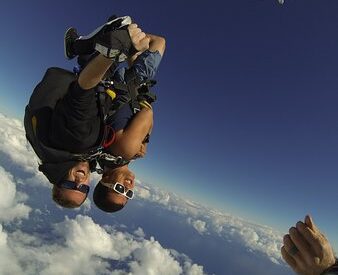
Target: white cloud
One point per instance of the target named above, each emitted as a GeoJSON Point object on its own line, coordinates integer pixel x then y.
{"type": "Point", "coordinates": [13, 145]}
{"type": "Point", "coordinates": [189, 268]}
{"type": "Point", "coordinates": [256, 238]}
{"type": "Point", "coordinates": [85, 247]}
{"type": "Point", "coordinates": [192, 269]}
{"type": "Point", "coordinates": [11, 205]}
{"type": "Point", "coordinates": [151, 258]}
{"type": "Point", "coordinates": [87, 205]}
{"type": "Point", "coordinates": [199, 225]}
{"type": "Point", "coordinates": [144, 192]}
{"type": "Point", "coordinates": [139, 232]}
{"type": "Point", "coordinates": [17, 155]}
{"type": "Point", "coordinates": [8, 263]}
{"type": "Point", "coordinates": [36, 180]}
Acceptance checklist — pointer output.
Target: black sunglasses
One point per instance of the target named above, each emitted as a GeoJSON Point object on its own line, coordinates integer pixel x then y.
{"type": "Point", "coordinates": [71, 185]}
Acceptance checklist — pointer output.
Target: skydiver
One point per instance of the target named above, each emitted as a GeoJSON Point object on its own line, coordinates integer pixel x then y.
{"type": "Point", "coordinates": [132, 134]}
{"type": "Point", "coordinates": [76, 124]}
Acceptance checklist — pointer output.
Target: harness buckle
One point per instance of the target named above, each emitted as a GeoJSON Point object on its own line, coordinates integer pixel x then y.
{"type": "Point", "coordinates": [118, 160]}
{"type": "Point", "coordinates": [136, 110]}
{"type": "Point", "coordinates": [107, 83]}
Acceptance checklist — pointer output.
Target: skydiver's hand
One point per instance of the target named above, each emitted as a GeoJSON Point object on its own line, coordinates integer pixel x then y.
{"type": "Point", "coordinates": [138, 38]}
{"type": "Point", "coordinates": [306, 249]}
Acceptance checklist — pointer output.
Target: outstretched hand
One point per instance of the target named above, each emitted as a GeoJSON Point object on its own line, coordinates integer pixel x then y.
{"type": "Point", "coordinates": [306, 249]}
{"type": "Point", "coordinates": [138, 38]}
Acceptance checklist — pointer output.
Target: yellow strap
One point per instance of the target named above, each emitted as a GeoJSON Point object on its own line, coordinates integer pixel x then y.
{"type": "Point", "coordinates": [111, 93]}
{"type": "Point", "coordinates": [34, 124]}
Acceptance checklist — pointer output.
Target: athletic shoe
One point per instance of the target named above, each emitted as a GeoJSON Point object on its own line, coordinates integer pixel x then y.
{"type": "Point", "coordinates": [109, 39]}
{"type": "Point", "coordinates": [113, 41]}
{"type": "Point", "coordinates": [69, 39]}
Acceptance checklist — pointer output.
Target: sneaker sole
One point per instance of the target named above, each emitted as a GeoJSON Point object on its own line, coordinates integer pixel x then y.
{"type": "Point", "coordinates": [126, 20]}
{"type": "Point", "coordinates": [65, 40]}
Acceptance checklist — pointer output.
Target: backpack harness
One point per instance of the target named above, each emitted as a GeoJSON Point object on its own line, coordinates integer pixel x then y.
{"type": "Point", "coordinates": [52, 88]}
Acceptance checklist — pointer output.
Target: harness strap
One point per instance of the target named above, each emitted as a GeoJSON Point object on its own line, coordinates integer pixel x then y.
{"type": "Point", "coordinates": [107, 117]}
{"type": "Point", "coordinates": [139, 90]}
{"type": "Point", "coordinates": [144, 93]}
{"type": "Point", "coordinates": [135, 93]}
{"type": "Point", "coordinates": [111, 161]}
{"type": "Point", "coordinates": [109, 136]}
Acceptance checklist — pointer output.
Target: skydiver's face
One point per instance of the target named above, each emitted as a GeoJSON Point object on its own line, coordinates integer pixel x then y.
{"type": "Point", "coordinates": [79, 174]}
{"type": "Point", "coordinates": [122, 175]}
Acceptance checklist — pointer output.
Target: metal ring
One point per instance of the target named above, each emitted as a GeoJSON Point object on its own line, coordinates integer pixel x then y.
{"type": "Point", "coordinates": [293, 250]}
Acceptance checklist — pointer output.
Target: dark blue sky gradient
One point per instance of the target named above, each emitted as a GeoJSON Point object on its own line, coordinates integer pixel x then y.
{"type": "Point", "coordinates": [247, 113]}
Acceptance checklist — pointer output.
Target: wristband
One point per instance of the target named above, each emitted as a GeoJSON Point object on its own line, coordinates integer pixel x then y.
{"type": "Point", "coordinates": [332, 270]}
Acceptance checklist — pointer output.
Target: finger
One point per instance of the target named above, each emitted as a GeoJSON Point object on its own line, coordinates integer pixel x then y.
{"type": "Point", "coordinates": [140, 36]}
{"type": "Point", "coordinates": [141, 45]}
{"type": "Point", "coordinates": [289, 247]}
{"type": "Point", "coordinates": [145, 44]}
{"type": "Point", "coordinates": [132, 26]}
{"type": "Point", "coordinates": [301, 244]}
{"type": "Point", "coordinates": [137, 36]}
{"type": "Point", "coordinates": [145, 40]}
{"type": "Point", "coordinates": [309, 222]}
{"type": "Point", "coordinates": [289, 260]}
{"type": "Point", "coordinates": [314, 240]}
{"type": "Point", "coordinates": [134, 31]}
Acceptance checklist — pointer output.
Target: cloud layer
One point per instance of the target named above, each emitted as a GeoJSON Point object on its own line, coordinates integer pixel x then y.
{"type": "Point", "coordinates": [56, 244]}
{"type": "Point", "coordinates": [256, 238]}
{"type": "Point", "coordinates": [74, 246]}
{"type": "Point", "coordinates": [84, 247]}
{"type": "Point", "coordinates": [11, 205]}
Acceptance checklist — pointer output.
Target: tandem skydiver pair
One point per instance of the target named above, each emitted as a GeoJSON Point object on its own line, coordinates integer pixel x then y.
{"type": "Point", "coordinates": [98, 115]}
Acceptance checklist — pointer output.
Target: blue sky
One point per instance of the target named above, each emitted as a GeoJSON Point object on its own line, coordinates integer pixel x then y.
{"type": "Point", "coordinates": [246, 116]}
